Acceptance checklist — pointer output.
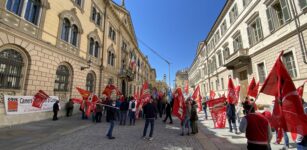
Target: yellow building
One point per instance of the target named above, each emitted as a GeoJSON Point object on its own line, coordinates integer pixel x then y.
{"type": "Point", "coordinates": [56, 46]}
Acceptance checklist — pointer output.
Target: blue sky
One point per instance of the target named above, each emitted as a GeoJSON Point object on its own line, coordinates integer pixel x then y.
{"type": "Point", "coordinates": [173, 28]}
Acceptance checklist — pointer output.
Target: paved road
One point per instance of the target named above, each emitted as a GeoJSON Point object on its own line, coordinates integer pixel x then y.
{"type": "Point", "coordinates": [75, 134]}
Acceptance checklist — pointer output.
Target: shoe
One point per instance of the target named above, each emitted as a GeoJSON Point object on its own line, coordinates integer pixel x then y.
{"type": "Point", "coordinates": [111, 138]}
{"type": "Point", "coordinates": [182, 134]}
{"type": "Point", "coordinates": [150, 139]}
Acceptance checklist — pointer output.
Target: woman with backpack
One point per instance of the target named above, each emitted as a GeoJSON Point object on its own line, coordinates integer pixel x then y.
{"type": "Point", "coordinates": [132, 110]}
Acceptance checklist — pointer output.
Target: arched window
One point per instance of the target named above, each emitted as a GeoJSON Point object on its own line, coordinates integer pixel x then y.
{"type": "Point", "coordinates": [32, 11]}
{"type": "Point", "coordinates": [14, 6]}
{"type": "Point", "coordinates": [96, 49]}
{"type": "Point", "coordinates": [65, 30]}
{"type": "Point", "coordinates": [98, 21]}
{"type": "Point", "coordinates": [112, 59]}
{"type": "Point", "coordinates": [94, 13]}
{"type": "Point", "coordinates": [109, 58]}
{"type": "Point", "coordinates": [91, 51]}
{"type": "Point", "coordinates": [62, 79]}
{"type": "Point", "coordinates": [74, 35]}
{"type": "Point", "coordinates": [11, 63]}
{"type": "Point", "coordinates": [90, 81]}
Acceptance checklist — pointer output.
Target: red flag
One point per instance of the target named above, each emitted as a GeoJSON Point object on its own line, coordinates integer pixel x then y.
{"type": "Point", "coordinates": [84, 93]}
{"type": "Point", "coordinates": [76, 100]}
{"type": "Point", "coordinates": [197, 97]}
{"type": "Point", "coordinates": [212, 94]}
{"type": "Point", "coordinates": [253, 88]}
{"type": "Point", "coordinates": [218, 112]}
{"type": "Point", "coordinates": [232, 96]}
{"type": "Point", "coordinates": [300, 90]}
{"type": "Point", "coordinates": [179, 104]}
{"type": "Point", "coordinates": [237, 90]}
{"type": "Point", "coordinates": [288, 110]}
{"type": "Point", "coordinates": [110, 88]}
{"type": "Point", "coordinates": [39, 98]}
{"type": "Point", "coordinates": [186, 87]}
{"type": "Point", "coordinates": [145, 93]}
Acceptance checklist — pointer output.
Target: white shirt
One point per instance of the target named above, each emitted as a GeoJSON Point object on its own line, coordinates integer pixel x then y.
{"type": "Point", "coordinates": [130, 103]}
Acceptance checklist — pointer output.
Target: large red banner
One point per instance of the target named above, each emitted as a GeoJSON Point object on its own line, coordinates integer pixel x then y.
{"type": "Point", "coordinates": [218, 112]}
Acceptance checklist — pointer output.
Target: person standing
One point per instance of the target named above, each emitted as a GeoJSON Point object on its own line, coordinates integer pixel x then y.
{"type": "Point", "coordinates": [168, 111]}
{"type": "Point", "coordinates": [123, 112]}
{"type": "Point", "coordinates": [69, 108]}
{"type": "Point", "coordinates": [205, 108]}
{"type": "Point", "coordinates": [56, 108]}
{"type": "Point", "coordinates": [186, 121]}
{"type": "Point", "coordinates": [98, 111]}
{"type": "Point", "coordinates": [257, 130]}
{"type": "Point", "coordinates": [150, 113]}
{"type": "Point", "coordinates": [194, 118]}
{"type": "Point", "coordinates": [231, 115]}
{"type": "Point", "coordinates": [132, 110]}
{"type": "Point", "coordinates": [111, 112]}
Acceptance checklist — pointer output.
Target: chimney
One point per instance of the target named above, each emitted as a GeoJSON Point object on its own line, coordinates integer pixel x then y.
{"type": "Point", "coordinates": [123, 3]}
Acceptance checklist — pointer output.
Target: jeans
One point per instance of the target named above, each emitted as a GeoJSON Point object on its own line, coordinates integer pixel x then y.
{"type": "Point", "coordinates": [286, 138]}
{"type": "Point", "coordinates": [151, 121]}
{"type": "Point", "coordinates": [301, 147]}
{"type": "Point", "coordinates": [232, 121]}
{"type": "Point", "coordinates": [123, 115]}
{"type": "Point", "coordinates": [186, 124]}
{"type": "Point", "coordinates": [205, 111]}
{"type": "Point", "coordinates": [109, 134]}
{"type": "Point", "coordinates": [132, 117]}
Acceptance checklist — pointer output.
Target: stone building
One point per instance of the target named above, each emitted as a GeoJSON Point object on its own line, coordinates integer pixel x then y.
{"type": "Point", "coordinates": [245, 41]}
{"type": "Point", "coordinates": [181, 78]}
{"type": "Point", "coordinates": [56, 46]}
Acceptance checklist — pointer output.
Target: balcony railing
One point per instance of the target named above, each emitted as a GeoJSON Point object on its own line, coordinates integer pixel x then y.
{"type": "Point", "coordinates": [126, 73]}
{"type": "Point", "coordinates": [239, 58]}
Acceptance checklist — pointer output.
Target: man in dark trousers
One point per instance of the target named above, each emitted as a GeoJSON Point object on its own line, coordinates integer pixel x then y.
{"type": "Point", "coordinates": [168, 111]}
{"type": "Point", "coordinates": [55, 110]}
{"type": "Point", "coordinates": [150, 113]}
{"type": "Point", "coordinates": [231, 115]}
{"type": "Point", "coordinates": [257, 130]}
{"type": "Point", "coordinates": [111, 112]}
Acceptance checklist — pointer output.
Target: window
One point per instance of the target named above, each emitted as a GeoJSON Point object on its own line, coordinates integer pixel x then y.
{"type": "Point", "coordinates": [223, 27]}
{"type": "Point", "coordinates": [70, 32]}
{"type": "Point", "coordinates": [90, 81]}
{"type": "Point", "coordinates": [289, 62]}
{"type": "Point", "coordinates": [222, 82]}
{"type": "Point", "coordinates": [261, 72]}
{"type": "Point", "coordinates": [65, 30]}
{"type": "Point", "coordinates": [254, 30]}
{"type": "Point", "coordinates": [205, 69]}
{"type": "Point", "coordinates": [111, 58]}
{"type": "Point", "coordinates": [94, 48]}
{"type": "Point", "coordinates": [30, 10]}
{"type": "Point", "coordinates": [303, 4]}
{"type": "Point", "coordinates": [124, 46]}
{"type": "Point", "coordinates": [278, 14]}
{"type": "Point", "coordinates": [226, 53]}
{"type": "Point", "coordinates": [217, 84]}
{"type": "Point", "coordinates": [112, 34]}
{"type": "Point", "coordinates": [11, 63]}
{"type": "Point", "coordinates": [237, 42]}
{"type": "Point", "coordinates": [220, 58]}
{"type": "Point", "coordinates": [74, 35]}
{"type": "Point", "coordinates": [217, 37]}
{"type": "Point", "coordinates": [233, 14]}
{"type": "Point", "coordinates": [62, 79]}
{"type": "Point", "coordinates": [96, 16]}
{"type": "Point", "coordinates": [15, 6]}
{"type": "Point", "coordinates": [78, 2]}
{"type": "Point", "coordinates": [213, 64]}
{"type": "Point", "coordinates": [246, 2]}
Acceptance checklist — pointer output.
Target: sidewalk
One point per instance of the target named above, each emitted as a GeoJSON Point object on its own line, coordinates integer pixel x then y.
{"type": "Point", "coordinates": [224, 140]}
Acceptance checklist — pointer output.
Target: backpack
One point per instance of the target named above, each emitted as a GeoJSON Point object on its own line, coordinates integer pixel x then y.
{"type": "Point", "coordinates": [133, 105]}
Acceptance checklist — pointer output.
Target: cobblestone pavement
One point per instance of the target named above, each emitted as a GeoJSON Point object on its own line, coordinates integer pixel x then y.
{"type": "Point", "coordinates": [222, 137]}
{"type": "Point", "coordinates": [75, 134]}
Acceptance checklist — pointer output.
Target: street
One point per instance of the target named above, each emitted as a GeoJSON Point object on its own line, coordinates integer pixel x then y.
{"type": "Point", "coordinates": [76, 134]}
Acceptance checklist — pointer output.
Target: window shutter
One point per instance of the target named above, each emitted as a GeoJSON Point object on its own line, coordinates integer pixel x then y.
{"type": "Point", "coordinates": [270, 20]}
{"type": "Point", "coordinates": [249, 32]}
{"type": "Point", "coordinates": [260, 28]}
{"type": "Point", "coordinates": [285, 10]}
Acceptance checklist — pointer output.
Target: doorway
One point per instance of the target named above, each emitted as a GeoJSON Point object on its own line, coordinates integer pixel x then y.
{"type": "Point", "coordinates": [243, 83]}
{"type": "Point", "coordinates": [124, 87]}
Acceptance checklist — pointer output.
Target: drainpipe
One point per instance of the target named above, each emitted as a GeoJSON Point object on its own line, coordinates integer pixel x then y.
{"type": "Point", "coordinates": [103, 42]}
{"type": "Point", "coordinates": [298, 30]}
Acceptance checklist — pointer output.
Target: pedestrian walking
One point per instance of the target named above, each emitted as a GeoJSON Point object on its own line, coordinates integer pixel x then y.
{"type": "Point", "coordinates": [56, 109]}
{"type": "Point", "coordinates": [185, 124]}
{"type": "Point", "coordinates": [257, 130]}
{"type": "Point", "coordinates": [205, 108]}
{"type": "Point", "coordinates": [168, 111]}
{"type": "Point", "coordinates": [194, 118]}
{"type": "Point", "coordinates": [111, 114]}
{"type": "Point", "coordinates": [69, 108]}
{"type": "Point", "coordinates": [123, 112]}
{"type": "Point", "coordinates": [231, 116]}
{"type": "Point", "coordinates": [132, 110]}
{"type": "Point", "coordinates": [98, 111]}
{"type": "Point", "coordinates": [150, 112]}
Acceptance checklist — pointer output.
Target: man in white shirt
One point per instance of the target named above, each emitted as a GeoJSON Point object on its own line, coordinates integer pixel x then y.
{"type": "Point", "coordinates": [132, 110]}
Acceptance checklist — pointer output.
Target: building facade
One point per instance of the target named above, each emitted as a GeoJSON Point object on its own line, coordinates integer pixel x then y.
{"type": "Point", "coordinates": [181, 78]}
{"type": "Point", "coordinates": [245, 41]}
{"type": "Point", "coordinates": [56, 46]}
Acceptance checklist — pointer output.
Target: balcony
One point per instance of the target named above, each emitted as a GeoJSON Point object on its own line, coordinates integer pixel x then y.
{"type": "Point", "coordinates": [238, 59]}
{"type": "Point", "coordinates": [126, 74]}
